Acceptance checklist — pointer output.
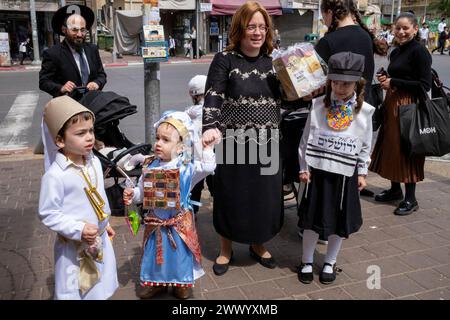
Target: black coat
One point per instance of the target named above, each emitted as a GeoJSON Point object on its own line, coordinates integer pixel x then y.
{"type": "Point", "coordinates": [59, 66]}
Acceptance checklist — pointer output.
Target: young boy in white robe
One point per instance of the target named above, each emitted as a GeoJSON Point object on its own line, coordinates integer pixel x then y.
{"type": "Point", "coordinates": [73, 203]}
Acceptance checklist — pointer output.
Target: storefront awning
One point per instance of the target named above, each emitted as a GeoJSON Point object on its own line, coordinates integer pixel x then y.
{"type": "Point", "coordinates": [177, 4]}
{"type": "Point", "coordinates": [229, 7]}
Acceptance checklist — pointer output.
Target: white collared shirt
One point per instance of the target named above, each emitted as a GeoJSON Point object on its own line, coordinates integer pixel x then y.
{"type": "Point", "coordinates": [76, 56]}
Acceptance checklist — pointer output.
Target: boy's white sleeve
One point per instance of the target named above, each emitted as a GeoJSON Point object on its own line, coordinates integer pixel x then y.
{"type": "Point", "coordinates": [204, 167]}
{"type": "Point", "coordinates": [303, 145]}
{"type": "Point", "coordinates": [139, 191]}
{"type": "Point", "coordinates": [364, 155]}
{"type": "Point", "coordinates": [51, 201]}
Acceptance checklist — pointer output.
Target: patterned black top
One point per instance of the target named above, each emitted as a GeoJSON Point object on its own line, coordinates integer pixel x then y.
{"type": "Point", "coordinates": [241, 93]}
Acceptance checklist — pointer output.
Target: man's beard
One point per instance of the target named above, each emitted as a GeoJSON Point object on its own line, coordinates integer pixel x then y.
{"type": "Point", "coordinates": [73, 44]}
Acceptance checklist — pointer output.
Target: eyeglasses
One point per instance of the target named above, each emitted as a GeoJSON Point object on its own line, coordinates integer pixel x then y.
{"type": "Point", "coordinates": [252, 28]}
{"type": "Point", "coordinates": [76, 30]}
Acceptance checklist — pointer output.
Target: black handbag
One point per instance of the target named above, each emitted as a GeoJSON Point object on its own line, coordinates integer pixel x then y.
{"type": "Point", "coordinates": [425, 126]}
{"type": "Point", "coordinates": [375, 98]}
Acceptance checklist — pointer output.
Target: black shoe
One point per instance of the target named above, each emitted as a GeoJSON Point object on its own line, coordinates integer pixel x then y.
{"type": "Point", "coordinates": [327, 278]}
{"type": "Point", "coordinates": [366, 192]}
{"type": "Point", "coordinates": [406, 207]}
{"type": "Point", "coordinates": [265, 262]}
{"type": "Point", "coordinates": [305, 277]}
{"type": "Point", "coordinates": [389, 195]}
{"type": "Point", "coordinates": [221, 268]}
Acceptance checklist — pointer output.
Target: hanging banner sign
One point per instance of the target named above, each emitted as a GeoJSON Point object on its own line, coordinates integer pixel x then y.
{"type": "Point", "coordinates": [205, 7]}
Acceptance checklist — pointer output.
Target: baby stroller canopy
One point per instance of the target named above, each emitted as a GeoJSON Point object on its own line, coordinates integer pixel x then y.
{"type": "Point", "coordinates": [107, 106]}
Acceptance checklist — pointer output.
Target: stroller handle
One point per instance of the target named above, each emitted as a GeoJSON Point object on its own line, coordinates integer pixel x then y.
{"type": "Point", "coordinates": [130, 150]}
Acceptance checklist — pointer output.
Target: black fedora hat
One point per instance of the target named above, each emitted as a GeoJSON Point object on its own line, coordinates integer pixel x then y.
{"type": "Point", "coordinates": [60, 16]}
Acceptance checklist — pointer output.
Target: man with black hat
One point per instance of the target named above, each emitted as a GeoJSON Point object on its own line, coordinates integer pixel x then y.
{"type": "Point", "coordinates": [73, 62]}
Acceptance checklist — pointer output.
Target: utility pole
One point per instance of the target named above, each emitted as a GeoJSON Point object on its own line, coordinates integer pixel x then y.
{"type": "Point", "coordinates": [197, 28]}
{"type": "Point", "coordinates": [37, 59]}
{"type": "Point", "coordinates": [111, 12]}
{"type": "Point", "coordinates": [151, 85]}
{"type": "Point", "coordinates": [392, 11]}
{"type": "Point", "coordinates": [399, 7]}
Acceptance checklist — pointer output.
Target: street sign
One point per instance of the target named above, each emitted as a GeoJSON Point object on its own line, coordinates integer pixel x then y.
{"type": "Point", "coordinates": [153, 33]}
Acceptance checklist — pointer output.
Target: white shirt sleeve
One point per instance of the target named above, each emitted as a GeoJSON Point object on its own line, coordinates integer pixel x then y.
{"type": "Point", "coordinates": [138, 195]}
{"type": "Point", "coordinates": [51, 201]}
{"type": "Point", "coordinates": [303, 145]}
{"type": "Point", "coordinates": [364, 155]}
{"type": "Point", "coordinates": [204, 167]}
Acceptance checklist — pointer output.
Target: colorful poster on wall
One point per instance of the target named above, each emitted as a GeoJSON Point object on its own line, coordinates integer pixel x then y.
{"type": "Point", "coordinates": [5, 58]}
{"type": "Point", "coordinates": [156, 51]}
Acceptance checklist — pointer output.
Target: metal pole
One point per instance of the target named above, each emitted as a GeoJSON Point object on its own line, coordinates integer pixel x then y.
{"type": "Point", "coordinates": [151, 92]}
{"type": "Point", "coordinates": [399, 7]}
{"type": "Point", "coordinates": [34, 33]}
{"type": "Point", "coordinates": [152, 99]}
{"type": "Point", "coordinates": [197, 29]}
{"type": "Point", "coordinates": [62, 3]}
{"type": "Point", "coordinates": [111, 10]}
{"type": "Point", "coordinates": [392, 11]}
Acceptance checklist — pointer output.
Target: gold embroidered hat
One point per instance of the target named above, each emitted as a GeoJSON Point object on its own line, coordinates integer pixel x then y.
{"type": "Point", "coordinates": [59, 110]}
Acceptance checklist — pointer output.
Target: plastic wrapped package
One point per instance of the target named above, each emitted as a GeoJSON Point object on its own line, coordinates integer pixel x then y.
{"type": "Point", "coordinates": [299, 69]}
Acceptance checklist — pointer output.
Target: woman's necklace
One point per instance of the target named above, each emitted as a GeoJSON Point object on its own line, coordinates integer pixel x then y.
{"type": "Point", "coordinates": [339, 115]}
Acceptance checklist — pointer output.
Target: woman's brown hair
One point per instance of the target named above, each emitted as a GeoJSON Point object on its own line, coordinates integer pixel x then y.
{"type": "Point", "coordinates": [359, 94]}
{"type": "Point", "coordinates": [239, 23]}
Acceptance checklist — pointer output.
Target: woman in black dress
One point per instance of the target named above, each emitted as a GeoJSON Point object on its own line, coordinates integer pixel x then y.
{"type": "Point", "coordinates": [243, 99]}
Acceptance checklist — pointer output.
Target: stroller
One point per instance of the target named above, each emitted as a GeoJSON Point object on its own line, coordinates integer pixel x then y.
{"type": "Point", "coordinates": [292, 124]}
{"type": "Point", "coordinates": [109, 108]}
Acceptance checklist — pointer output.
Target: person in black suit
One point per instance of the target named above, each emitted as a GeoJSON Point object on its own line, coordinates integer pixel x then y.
{"type": "Point", "coordinates": [69, 64]}
{"type": "Point", "coordinates": [73, 62]}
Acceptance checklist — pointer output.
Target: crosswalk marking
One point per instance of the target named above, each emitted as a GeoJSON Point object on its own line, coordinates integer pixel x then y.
{"type": "Point", "coordinates": [14, 129]}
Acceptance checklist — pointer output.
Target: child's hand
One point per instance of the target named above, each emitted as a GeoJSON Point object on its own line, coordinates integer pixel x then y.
{"type": "Point", "coordinates": [111, 232]}
{"type": "Point", "coordinates": [305, 177]}
{"type": "Point", "coordinates": [211, 136]}
{"type": "Point", "coordinates": [128, 195]}
{"type": "Point", "coordinates": [89, 233]}
{"type": "Point", "coordinates": [361, 182]}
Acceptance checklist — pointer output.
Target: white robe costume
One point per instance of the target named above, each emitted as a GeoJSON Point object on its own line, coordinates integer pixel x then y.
{"type": "Point", "coordinates": [65, 208]}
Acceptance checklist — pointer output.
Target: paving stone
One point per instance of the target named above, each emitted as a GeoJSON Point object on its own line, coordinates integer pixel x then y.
{"type": "Point", "coordinates": [438, 294]}
{"type": "Point", "coordinates": [418, 260]}
{"type": "Point", "coordinates": [400, 285]}
{"type": "Point", "coordinates": [233, 277]}
{"type": "Point", "coordinates": [293, 287]}
{"type": "Point", "coordinates": [225, 294]}
{"type": "Point", "coordinates": [444, 270]}
{"type": "Point", "coordinates": [423, 227]}
{"type": "Point", "coordinates": [399, 232]}
{"type": "Point", "coordinates": [382, 249]}
{"type": "Point", "coordinates": [359, 291]}
{"type": "Point", "coordinates": [353, 255]}
{"type": "Point", "coordinates": [373, 236]}
{"type": "Point", "coordinates": [441, 255]}
{"type": "Point", "coordinates": [433, 240]}
{"type": "Point", "coordinates": [263, 290]}
{"type": "Point", "coordinates": [429, 279]}
{"type": "Point", "coordinates": [408, 245]}
{"type": "Point", "coordinates": [330, 294]}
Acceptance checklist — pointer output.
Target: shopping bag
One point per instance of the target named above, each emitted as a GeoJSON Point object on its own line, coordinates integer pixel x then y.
{"type": "Point", "coordinates": [375, 98]}
{"type": "Point", "coordinates": [425, 126]}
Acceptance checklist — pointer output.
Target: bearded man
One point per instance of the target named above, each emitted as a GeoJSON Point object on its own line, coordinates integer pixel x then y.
{"type": "Point", "coordinates": [73, 62]}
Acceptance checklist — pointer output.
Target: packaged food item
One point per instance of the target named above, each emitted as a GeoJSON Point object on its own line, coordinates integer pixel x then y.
{"type": "Point", "coordinates": [299, 69]}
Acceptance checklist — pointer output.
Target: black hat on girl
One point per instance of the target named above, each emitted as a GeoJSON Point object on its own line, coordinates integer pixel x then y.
{"type": "Point", "coordinates": [345, 66]}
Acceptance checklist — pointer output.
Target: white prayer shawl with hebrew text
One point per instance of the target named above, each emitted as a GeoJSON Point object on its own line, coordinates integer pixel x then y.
{"type": "Point", "coordinates": [324, 148]}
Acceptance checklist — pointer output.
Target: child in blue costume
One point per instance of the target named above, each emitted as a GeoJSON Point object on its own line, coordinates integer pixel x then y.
{"type": "Point", "coordinates": [171, 251]}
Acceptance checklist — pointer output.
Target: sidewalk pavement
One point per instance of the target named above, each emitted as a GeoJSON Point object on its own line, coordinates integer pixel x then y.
{"type": "Point", "coordinates": [412, 252]}
{"type": "Point", "coordinates": [108, 61]}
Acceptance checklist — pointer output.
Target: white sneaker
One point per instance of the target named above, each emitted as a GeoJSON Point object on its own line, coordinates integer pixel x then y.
{"type": "Point", "coordinates": [320, 241]}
